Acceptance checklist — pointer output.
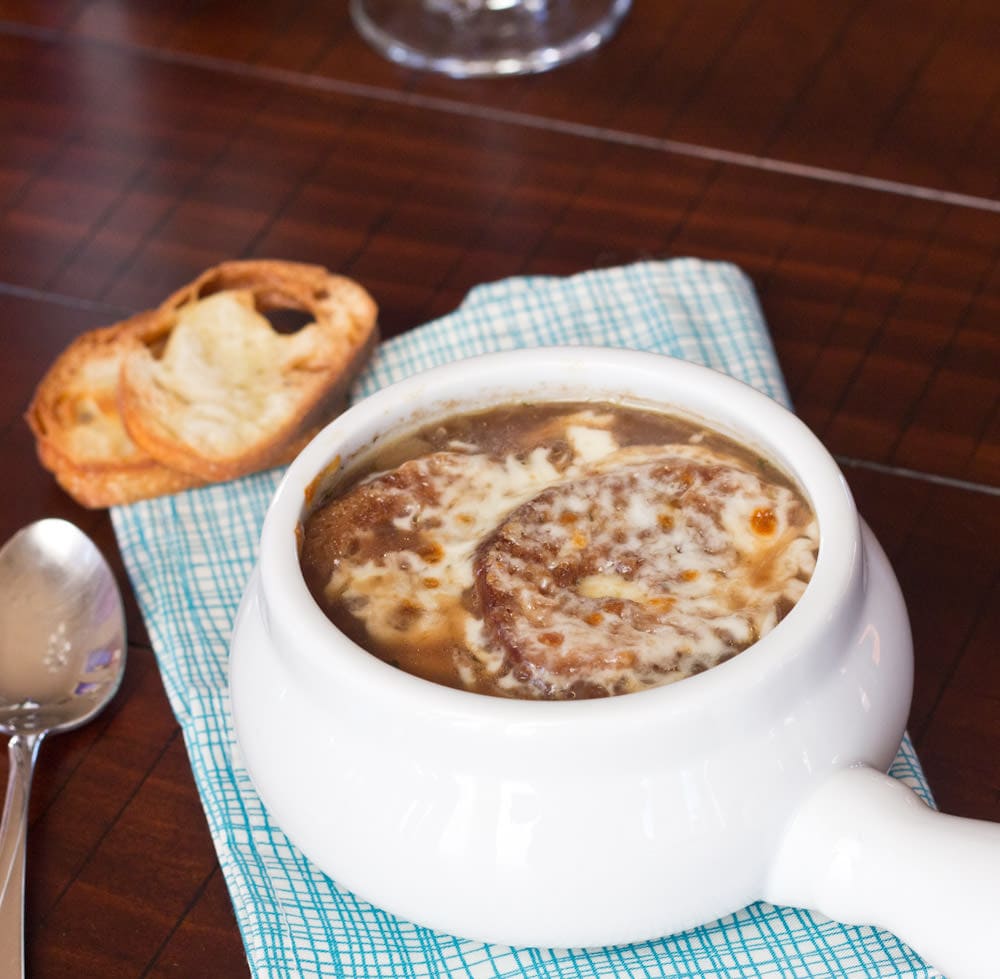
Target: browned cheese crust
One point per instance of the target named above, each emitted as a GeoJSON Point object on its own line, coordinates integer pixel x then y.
{"type": "Point", "coordinates": [571, 582]}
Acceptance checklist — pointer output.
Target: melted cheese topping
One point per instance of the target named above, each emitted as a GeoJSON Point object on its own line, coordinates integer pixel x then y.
{"type": "Point", "coordinates": [472, 494]}
{"type": "Point", "coordinates": [227, 373]}
{"type": "Point", "coordinates": [602, 571]}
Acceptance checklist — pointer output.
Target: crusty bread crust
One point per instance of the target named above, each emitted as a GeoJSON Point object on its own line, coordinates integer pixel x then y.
{"type": "Point", "coordinates": [244, 422]}
{"type": "Point", "coordinates": [79, 434]}
{"type": "Point", "coordinates": [114, 425]}
{"type": "Point", "coordinates": [107, 485]}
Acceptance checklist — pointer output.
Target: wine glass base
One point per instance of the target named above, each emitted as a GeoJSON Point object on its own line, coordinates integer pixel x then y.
{"type": "Point", "coordinates": [486, 38]}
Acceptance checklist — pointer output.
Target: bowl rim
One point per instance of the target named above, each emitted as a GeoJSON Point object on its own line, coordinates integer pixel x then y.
{"type": "Point", "coordinates": [489, 379]}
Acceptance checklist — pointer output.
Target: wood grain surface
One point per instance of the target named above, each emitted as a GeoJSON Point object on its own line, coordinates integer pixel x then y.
{"type": "Point", "coordinates": [846, 156]}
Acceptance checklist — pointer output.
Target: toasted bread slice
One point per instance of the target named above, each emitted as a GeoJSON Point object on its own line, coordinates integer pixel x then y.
{"type": "Point", "coordinates": [217, 393]}
{"type": "Point", "coordinates": [79, 433]}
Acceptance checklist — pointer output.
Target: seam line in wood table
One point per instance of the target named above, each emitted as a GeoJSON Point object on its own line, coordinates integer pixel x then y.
{"type": "Point", "coordinates": [918, 731]}
{"type": "Point", "coordinates": [296, 79]}
{"type": "Point", "coordinates": [61, 299]}
{"type": "Point", "coordinates": [181, 918]}
{"type": "Point", "coordinates": [853, 463]}
{"type": "Point", "coordinates": [117, 312]}
{"type": "Point", "coordinates": [109, 828]}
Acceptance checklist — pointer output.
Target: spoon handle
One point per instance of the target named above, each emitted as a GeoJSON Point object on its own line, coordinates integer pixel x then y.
{"type": "Point", "coordinates": [22, 750]}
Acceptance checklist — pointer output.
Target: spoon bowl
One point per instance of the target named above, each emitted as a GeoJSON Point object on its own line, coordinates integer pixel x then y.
{"type": "Point", "coordinates": [62, 657]}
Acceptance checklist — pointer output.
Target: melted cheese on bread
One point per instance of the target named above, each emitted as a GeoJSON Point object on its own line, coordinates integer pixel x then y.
{"type": "Point", "coordinates": [607, 570]}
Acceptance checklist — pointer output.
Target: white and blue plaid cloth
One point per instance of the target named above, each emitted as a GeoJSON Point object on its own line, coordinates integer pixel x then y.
{"type": "Point", "coordinates": [189, 557]}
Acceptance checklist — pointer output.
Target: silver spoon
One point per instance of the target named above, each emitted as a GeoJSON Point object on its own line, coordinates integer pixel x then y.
{"type": "Point", "coordinates": [62, 655]}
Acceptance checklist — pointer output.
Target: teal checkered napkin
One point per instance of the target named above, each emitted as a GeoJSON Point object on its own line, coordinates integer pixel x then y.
{"type": "Point", "coordinates": [190, 555]}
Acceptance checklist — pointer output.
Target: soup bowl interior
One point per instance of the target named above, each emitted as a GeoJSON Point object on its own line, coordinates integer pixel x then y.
{"type": "Point", "coordinates": [565, 823]}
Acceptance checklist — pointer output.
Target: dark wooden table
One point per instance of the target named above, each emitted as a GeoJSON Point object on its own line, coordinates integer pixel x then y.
{"type": "Point", "coordinates": [846, 155]}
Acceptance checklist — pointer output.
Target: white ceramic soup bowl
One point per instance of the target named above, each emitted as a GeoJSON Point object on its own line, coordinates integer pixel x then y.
{"type": "Point", "coordinates": [608, 821]}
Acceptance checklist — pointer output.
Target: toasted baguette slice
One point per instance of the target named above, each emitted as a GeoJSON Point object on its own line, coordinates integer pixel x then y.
{"type": "Point", "coordinates": [218, 393]}
{"type": "Point", "coordinates": [79, 433]}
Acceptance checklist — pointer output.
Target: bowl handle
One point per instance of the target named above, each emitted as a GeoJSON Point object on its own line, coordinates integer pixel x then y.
{"type": "Point", "coordinates": [864, 849]}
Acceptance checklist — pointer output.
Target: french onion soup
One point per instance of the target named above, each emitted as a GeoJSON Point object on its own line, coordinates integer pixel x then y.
{"type": "Point", "coordinates": [558, 550]}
